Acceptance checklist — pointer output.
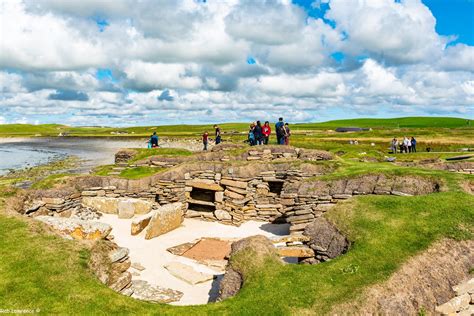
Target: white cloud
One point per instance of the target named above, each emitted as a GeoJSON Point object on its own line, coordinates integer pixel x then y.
{"type": "Point", "coordinates": [198, 51]}
{"type": "Point", "coordinates": [159, 75]}
{"type": "Point", "coordinates": [399, 32]}
{"type": "Point", "coordinates": [268, 22]}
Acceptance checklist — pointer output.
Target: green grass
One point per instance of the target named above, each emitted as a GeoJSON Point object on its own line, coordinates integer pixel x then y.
{"type": "Point", "coordinates": [139, 172]}
{"type": "Point", "coordinates": [129, 173]}
{"type": "Point", "coordinates": [143, 153]}
{"type": "Point", "coordinates": [51, 181]}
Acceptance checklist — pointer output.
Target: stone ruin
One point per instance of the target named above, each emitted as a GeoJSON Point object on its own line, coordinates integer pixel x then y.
{"type": "Point", "coordinates": [273, 184]}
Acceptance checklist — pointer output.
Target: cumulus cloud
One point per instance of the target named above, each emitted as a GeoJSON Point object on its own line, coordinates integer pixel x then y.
{"type": "Point", "coordinates": [198, 61]}
{"type": "Point", "coordinates": [400, 32]}
{"type": "Point", "coordinates": [68, 95]}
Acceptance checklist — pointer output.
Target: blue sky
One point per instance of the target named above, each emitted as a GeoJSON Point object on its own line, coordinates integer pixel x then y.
{"type": "Point", "coordinates": [130, 62]}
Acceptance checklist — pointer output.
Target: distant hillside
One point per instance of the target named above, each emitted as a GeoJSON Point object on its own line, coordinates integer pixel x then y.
{"type": "Point", "coordinates": [18, 130]}
{"type": "Point", "coordinates": [402, 122]}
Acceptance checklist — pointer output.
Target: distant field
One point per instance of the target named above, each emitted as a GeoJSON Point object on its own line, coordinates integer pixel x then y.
{"type": "Point", "coordinates": [381, 125]}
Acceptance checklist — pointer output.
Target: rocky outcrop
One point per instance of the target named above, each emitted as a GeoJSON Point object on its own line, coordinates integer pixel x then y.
{"type": "Point", "coordinates": [326, 240]}
{"type": "Point", "coordinates": [76, 228]}
{"type": "Point", "coordinates": [110, 263]}
{"type": "Point", "coordinates": [247, 255]}
{"type": "Point", "coordinates": [124, 155]}
{"type": "Point", "coordinates": [165, 219]}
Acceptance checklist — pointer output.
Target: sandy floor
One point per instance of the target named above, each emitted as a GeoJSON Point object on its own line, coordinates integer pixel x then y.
{"type": "Point", "coordinates": [153, 256]}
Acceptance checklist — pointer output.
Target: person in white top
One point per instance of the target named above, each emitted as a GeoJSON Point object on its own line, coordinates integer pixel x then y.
{"type": "Point", "coordinates": [406, 144]}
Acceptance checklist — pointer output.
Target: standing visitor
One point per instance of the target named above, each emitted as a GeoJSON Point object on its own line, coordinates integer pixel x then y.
{"type": "Point", "coordinates": [406, 141]}
{"type": "Point", "coordinates": [279, 129]}
{"type": "Point", "coordinates": [287, 134]}
{"type": "Point", "coordinates": [257, 131]}
{"type": "Point", "coordinates": [266, 131]}
{"type": "Point", "coordinates": [251, 136]}
{"type": "Point", "coordinates": [205, 138]}
{"type": "Point", "coordinates": [394, 145]}
{"type": "Point", "coordinates": [218, 134]}
{"type": "Point", "coordinates": [413, 144]}
{"type": "Point", "coordinates": [154, 140]}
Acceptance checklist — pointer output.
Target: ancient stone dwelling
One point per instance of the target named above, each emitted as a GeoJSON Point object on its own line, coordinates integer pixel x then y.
{"type": "Point", "coordinates": [274, 184]}
{"type": "Point", "coordinates": [231, 185]}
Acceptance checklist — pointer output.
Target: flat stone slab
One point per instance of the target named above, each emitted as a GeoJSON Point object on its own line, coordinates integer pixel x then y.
{"type": "Point", "coordinates": [208, 249]}
{"type": "Point", "coordinates": [295, 251]}
{"type": "Point", "coordinates": [187, 273]}
{"type": "Point", "coordinates": [77, 228]}
{"type": "Point", "coordinates": [144, 291]}
{"type": "Point", "coordinates": [204, 185]}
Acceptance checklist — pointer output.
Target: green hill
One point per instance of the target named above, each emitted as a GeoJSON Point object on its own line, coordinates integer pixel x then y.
{"type": "Point", "coordinates": [401, 122]}
{"type": "Point", "coordinates": [18, 130]}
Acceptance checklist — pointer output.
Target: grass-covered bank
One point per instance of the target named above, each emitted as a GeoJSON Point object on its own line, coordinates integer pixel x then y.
{"type": "Point", "coordinates": [39, 270]}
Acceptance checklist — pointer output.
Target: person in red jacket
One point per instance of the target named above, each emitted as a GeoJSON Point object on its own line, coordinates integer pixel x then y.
{"type": "Point", "coordinates": [266, 131]}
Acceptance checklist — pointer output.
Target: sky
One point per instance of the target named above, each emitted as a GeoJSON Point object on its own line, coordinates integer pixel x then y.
{"type": "Point", "coordinates": [157, 62]}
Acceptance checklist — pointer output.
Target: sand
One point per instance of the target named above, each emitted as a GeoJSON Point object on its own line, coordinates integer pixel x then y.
{"type": "Point", "coordinates": [152, 253]}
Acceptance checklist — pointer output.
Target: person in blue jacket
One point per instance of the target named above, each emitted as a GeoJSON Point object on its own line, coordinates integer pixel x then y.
{"type": "Point", "coordinates": [280, 133]}
{"type": "Point", "coordinates": [154, 140]}
{"type": "Point", "coordinates": [413, 145]}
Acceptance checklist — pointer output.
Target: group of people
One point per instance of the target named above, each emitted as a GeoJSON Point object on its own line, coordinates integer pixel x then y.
{"type": "Point", "coordinates": [205, 137]}
{"type": "Point", "coordinates": [406, 145]}
{"type": "Point", "coordinates": [260, 135]}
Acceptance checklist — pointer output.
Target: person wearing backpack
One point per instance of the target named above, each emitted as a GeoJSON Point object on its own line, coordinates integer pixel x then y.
{"type": "Point", "coordinates": [257, 131]}
{"type": "Point", "coordinates": [251, 135]}
{"type": "Point", "coordinates": [280, 132]}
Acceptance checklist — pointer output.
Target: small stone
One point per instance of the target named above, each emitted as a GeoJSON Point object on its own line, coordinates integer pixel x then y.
{"type": "Point", "coordinates": [219, 196]}
{"type": "Point", "coordinates": [118, 254]}
{"type": "Point", "coordinates": [222, 215]}
{"type": "Point", "coordinates": [138, 266]}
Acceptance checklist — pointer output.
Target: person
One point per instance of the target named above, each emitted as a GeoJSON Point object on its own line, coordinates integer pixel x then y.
{"type": "Point", "coordinates": [394, 145]}
{"type": "Point", "coordinates": [218, 134]}
{"type": "Point", "coordinates": [266, 131]}
{"type": "Point", "coordinates": [251, 135]}
{"type": "Point", "coordinates": [279, 129]}
{"type": "Point", "coordinates": [406, 144]}
{"type": "Point", "coordinates": [205, 138]}
{"type": "Point", "coordinates": [287, 134]}
{"type": "Point", "coordinates": [413, 144]}
{"type": "Point", "coordinates": [154, 140]}
{"type": "Point", "coordinates": [257, 131]}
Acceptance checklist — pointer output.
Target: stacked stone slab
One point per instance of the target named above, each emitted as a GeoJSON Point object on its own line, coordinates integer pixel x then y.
{"type": "Point", "coordinates": [63, 206]}
{"type": "Point", "coordinates": [462, 303]}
